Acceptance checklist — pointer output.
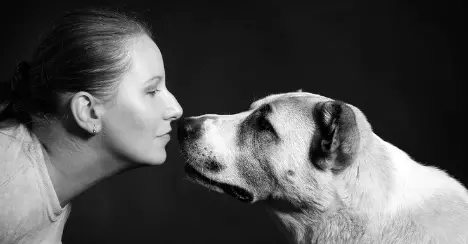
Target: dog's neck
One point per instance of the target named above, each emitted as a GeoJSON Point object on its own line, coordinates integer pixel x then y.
{"type": "Point", "coordinates": [360, 197]}
{"type": "Point", "coordinates": [337, 227]}
{"type": "Point", "coordinates": [365, 187]}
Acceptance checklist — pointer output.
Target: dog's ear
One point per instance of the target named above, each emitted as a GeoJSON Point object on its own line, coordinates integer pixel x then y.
{"type": "Point", "coordinates": [336, 135]}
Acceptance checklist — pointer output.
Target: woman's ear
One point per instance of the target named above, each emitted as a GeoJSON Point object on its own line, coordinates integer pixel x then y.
{"type": "Point", "coordinates": [87, 112]}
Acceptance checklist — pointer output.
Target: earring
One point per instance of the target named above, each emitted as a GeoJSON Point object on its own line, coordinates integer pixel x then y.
{"type": "Point", "coordinates": [94, 129]}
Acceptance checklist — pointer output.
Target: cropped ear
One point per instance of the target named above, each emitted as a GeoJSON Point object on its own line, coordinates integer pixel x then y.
{"type": "Point", "coordinates": [336, 136]}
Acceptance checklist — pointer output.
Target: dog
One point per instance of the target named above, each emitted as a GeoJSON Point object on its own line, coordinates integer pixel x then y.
{"type": "Point", "coordinates": [321, 171]}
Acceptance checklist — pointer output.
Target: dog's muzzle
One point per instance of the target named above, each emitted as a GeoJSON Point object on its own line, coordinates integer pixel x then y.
{"type": "Point", "coordinates": [189, 128]}
{"type": "Point", "coordinates": [235, 191]}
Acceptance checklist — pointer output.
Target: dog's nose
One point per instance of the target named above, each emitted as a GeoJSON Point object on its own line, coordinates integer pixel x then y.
{"type": "Point", "coordinates": [188, 128]}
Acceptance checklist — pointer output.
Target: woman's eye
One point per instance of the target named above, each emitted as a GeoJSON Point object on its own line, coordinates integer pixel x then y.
{"type": "Point", "coordinates": [152, 92]}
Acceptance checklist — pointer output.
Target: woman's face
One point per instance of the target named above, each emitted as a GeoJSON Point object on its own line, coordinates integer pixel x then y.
{"type": "Point", "coordinates": [136, 125]}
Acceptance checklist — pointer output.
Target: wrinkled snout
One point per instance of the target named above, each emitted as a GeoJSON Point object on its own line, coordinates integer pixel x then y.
{"type": "Point", "coordinates": [189, 128]}
{"type": "Point", "coordinates": [209, 145]}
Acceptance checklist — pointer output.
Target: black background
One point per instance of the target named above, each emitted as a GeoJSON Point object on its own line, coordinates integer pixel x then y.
{"type": "Point", "coordinates": [401, 63]}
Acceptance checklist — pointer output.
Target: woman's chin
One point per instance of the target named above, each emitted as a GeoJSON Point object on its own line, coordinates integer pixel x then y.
{"type": "Point", "coordinates": [139, 157]}
{"type": "Point", "coordinates": [146, 162]}
{"type": "Point", "coordinates": [157, 158]}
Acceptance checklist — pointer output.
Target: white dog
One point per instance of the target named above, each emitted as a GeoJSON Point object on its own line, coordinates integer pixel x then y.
{"type": "Point", "coordinates": [320, 169]}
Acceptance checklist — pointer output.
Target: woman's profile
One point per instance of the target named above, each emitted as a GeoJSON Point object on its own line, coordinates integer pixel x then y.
{"type": "Point", "coordinates": [90, 103]}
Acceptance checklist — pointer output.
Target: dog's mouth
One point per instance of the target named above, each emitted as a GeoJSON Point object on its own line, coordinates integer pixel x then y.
{"type": "Point", "coordinates": [235, 191]}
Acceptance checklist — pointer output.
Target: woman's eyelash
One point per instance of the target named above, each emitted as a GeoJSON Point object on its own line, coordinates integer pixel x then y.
{"type": "Point", "coordinates": [153, 92]}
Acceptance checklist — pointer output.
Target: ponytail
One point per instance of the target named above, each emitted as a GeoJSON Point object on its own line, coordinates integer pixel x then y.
{"type": "Point", "coordinates": [14, 94]}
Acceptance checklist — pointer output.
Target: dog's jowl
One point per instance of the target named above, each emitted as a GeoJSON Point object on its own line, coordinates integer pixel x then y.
{"type": "Point", "coordinates": [324, 174]}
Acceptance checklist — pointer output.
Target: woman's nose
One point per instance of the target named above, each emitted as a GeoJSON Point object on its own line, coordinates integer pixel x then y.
{"type": "Point", "coordinates": [174, 110]}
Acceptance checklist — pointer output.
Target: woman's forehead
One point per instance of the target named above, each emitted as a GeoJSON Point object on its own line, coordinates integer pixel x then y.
{"type": "Point", "coordinates": [146, 60]}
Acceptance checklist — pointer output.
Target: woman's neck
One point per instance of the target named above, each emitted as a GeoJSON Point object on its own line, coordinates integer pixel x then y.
{"type": "Point", "coordinates": [74, 164]}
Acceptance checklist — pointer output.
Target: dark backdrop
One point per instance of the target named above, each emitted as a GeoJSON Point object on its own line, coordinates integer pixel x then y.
{"type": "Point", "coordinates": [402, 63]}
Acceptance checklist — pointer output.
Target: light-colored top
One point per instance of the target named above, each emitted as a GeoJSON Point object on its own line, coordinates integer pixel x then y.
{"type": "Point", "coordinates": [30, 211]}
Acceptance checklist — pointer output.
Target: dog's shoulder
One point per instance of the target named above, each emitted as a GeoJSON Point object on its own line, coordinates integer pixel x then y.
{"type": "Point", "coordinates": [445, 213]}
{"type": "Point", "coordinates": [425, 203]}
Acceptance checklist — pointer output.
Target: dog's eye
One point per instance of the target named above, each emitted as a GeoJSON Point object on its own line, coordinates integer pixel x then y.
{"type": "Point", "coordinates": [265, 125]}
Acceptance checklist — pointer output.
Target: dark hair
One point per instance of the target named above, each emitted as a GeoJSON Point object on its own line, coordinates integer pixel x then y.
{"type": "Point", "coordinates": [85, 50]}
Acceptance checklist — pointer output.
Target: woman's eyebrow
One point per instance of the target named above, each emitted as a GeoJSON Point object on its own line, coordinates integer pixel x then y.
{"type": "Point", "coordinates": [156, 79]}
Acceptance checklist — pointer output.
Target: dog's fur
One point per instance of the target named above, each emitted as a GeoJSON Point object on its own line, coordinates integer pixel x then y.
{"type": "Point", "coordinates": [320, 169]}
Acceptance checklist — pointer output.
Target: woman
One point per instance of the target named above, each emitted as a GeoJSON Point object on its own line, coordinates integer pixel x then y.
{"type": "Point", "coordinates": [91, 103]}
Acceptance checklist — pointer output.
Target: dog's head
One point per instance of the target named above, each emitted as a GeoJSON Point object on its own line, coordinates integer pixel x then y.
{"type": "Point", "coordinates": [285, 146]}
